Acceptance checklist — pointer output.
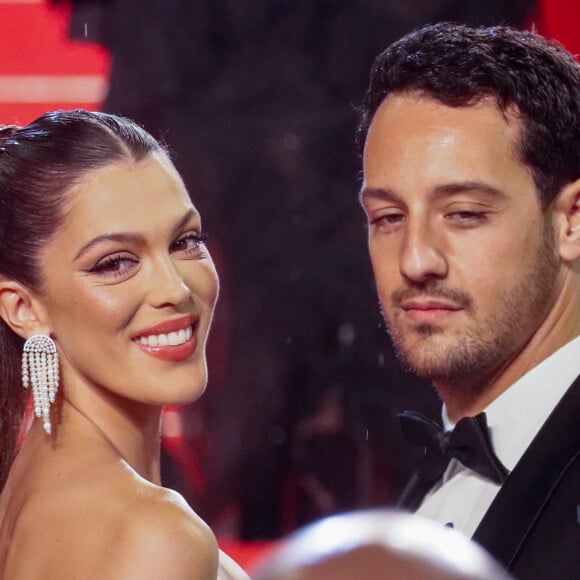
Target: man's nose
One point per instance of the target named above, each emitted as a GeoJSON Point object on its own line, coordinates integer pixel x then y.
{"type": "Point", "coordinates": [422, 258]}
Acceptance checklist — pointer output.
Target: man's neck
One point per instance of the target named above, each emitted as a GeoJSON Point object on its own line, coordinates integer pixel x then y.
{"type": "Point", "coordinates": [560, 327]}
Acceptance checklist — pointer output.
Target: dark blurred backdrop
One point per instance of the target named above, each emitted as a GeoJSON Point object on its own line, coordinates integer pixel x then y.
{"type": "Point", "coordinates": [256, 99]}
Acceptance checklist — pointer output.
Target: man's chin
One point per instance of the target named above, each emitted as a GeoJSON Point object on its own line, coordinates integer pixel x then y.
{"type": "Point", "coordinates": [435, 363]}
{"type": "Point", "coordinates": [450, 364]}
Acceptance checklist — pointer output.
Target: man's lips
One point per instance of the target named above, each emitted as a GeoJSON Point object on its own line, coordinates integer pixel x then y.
{"type": "Point", "coordinates": [429, 310]}
{"type": "Point", "coordinates": [428, 304]}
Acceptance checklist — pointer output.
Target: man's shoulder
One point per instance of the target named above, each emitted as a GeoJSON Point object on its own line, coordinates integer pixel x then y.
{"type": "Point", "coordinates": [541, 555]}
{"type": "Point", "coordinates": [539, 501]}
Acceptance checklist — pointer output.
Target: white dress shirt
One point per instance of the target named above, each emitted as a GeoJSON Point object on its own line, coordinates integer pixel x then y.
{"type": "Point", "coordinates": [462, 497]}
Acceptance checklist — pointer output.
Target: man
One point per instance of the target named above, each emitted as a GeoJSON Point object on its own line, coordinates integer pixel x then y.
{"type": "Point", "coordinates": [472, 191]}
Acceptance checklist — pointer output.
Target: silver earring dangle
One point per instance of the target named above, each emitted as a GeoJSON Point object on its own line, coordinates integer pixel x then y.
{"type": "Point", "coordinates": [40, 369]}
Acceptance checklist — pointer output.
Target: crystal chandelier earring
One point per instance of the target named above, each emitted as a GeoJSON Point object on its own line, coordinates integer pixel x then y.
{"type": "Point", "coordinates": [40, 369]}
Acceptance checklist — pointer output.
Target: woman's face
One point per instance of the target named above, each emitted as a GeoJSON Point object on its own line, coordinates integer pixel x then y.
{"type": "Point", "coordinates": [130, 286]}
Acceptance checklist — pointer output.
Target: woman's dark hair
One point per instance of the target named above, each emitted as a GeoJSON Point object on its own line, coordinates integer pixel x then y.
{"type": "Point", "coordinates": [458, 66]}
{"type": "Point", "coordinates": [39, 165]}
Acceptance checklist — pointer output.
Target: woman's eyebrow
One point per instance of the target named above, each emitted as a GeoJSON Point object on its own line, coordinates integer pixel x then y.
{"type": "Point", "coordinates": [114, 237]}
{"type": "Point", "coordinates": [131, 238]}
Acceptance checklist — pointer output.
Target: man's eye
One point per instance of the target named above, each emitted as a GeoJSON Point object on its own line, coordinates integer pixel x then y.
{"type": "Point", "coordinates": [466, 216]}
{"type": "Point", "coordinates": [389, 219]}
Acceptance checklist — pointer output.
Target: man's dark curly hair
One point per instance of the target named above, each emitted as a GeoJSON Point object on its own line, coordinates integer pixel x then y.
{"type": "Point", "coordinates": [525, 73]}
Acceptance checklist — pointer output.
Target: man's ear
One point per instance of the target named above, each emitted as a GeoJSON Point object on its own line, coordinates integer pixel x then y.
{"type": "Point", "coordinates": [21, 309]}
{"type": "Point", "coordinates": [567, 211]}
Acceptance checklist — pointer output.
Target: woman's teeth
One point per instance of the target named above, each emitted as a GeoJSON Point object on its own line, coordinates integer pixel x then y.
{"type": "Point", "coordinates": [170, 339]}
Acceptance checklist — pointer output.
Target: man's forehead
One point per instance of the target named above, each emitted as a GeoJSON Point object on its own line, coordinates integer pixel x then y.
{"type": "Point", "coordinates": [481, 104]}
{"type": "Point", "coordinates": [420, 144]}
{"type": "Point", "coordinates": [425, 125]}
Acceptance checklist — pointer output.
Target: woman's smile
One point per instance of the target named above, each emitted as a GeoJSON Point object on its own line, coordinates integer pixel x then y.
{"type": "Point", "coordinates": [172, 340]}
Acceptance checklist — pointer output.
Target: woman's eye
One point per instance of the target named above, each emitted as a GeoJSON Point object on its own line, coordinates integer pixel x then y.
{"type": "Point", "coordinates": [189, 243]}
{"type": "Point", "coordinates": [116, 265]}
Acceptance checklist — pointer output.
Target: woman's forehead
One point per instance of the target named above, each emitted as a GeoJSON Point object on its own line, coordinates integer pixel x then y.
{"type": "Point", "coordinates": [127, 195]}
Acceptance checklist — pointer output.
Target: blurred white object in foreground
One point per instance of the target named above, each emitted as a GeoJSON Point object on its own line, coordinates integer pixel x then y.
{"type": "Point", "coordinates": [377, 544]}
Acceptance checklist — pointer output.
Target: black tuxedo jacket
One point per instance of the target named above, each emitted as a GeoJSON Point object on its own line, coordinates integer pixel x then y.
{"type": "Point", "coordinates": [533, 525]}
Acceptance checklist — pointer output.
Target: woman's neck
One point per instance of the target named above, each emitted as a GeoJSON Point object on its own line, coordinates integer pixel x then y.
{"type": "Point", "coordinates": [131, 429]}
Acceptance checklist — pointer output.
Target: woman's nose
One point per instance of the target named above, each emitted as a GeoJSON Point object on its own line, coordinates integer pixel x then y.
{"type": "Point", "coordinates": [168, 287]}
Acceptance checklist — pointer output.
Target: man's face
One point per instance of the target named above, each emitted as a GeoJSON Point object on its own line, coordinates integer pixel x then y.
{"type": "Point", "coordinates": [463, 256]}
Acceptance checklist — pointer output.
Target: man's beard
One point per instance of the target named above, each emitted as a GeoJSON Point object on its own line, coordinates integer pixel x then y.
{"type": "Point", "coordinates": [483, 347]}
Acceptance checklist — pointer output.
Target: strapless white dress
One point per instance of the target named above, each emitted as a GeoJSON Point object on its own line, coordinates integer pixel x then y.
{"type": "Point", "coordinates": [228, 569]}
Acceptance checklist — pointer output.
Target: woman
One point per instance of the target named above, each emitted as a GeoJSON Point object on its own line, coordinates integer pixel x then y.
{"type": "Point", "coordinates": [104, 272]}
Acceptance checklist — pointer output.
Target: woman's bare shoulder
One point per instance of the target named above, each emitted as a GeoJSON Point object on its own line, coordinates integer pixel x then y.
{"type": "Point", "coordinates": [162, 537]}
{"type": "Point", "coordinates": [120, 526]}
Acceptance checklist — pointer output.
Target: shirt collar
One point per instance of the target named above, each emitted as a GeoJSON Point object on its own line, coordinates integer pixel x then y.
{"type": "Point", "coordinates": [517, 415]}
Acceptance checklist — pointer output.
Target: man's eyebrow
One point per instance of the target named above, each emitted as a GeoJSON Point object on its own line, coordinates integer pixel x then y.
{"type": "Point", "coordinates": [380, 193]}
{"type": "Point", "coordinates": [446, 189]}
{"type": "Point", "coordinates": [131, 238]}
{"type": "Point", "coordinates": [475, 186]}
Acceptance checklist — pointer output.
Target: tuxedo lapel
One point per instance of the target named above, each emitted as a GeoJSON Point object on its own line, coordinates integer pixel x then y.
{"type": "Point", "coordinates": [528, 490]}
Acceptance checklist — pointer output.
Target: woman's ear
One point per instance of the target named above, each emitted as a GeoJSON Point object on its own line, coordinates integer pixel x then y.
{"type": "Point", "coordinates": [567, 211]}
{"type": "Point", "coordinates": [20, 309]}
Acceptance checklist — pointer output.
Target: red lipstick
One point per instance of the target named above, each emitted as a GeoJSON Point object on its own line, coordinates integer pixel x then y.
{"type": "Point", "coordinates": [153, 340]}
{"type": "Point", "coordinates": [167, 326]}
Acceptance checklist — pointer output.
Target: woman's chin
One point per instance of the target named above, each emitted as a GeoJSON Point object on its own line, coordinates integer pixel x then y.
{"type": "Point", "coordinates": [188, 393]}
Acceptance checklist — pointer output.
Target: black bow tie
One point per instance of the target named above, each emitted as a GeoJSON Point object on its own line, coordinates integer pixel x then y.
{"type": "Point", "coordinates": [469, 443]}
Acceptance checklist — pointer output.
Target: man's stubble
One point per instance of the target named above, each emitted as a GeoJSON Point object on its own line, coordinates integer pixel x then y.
{"type": "Point", "coordinates": [482, 347]}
